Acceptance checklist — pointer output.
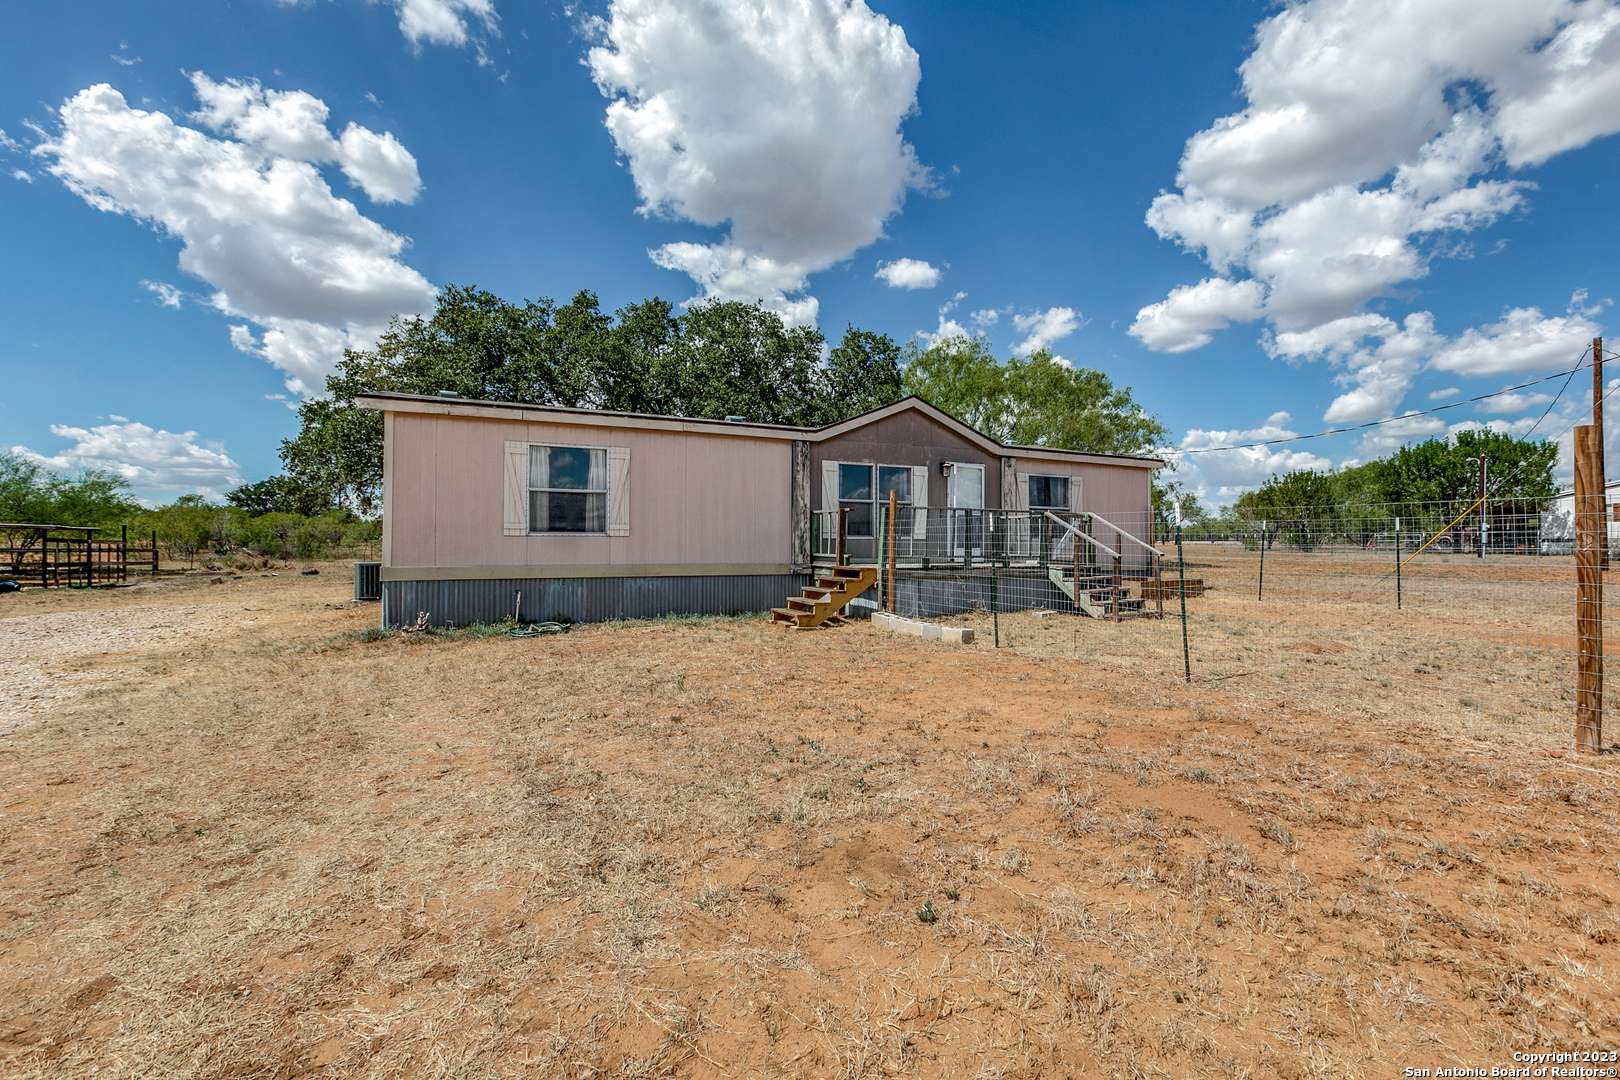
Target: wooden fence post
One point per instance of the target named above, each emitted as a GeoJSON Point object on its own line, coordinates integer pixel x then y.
{"type": "Point", "coordinates": [1119, 583]}
{"type": "Point", "coordinates": [1601, 477]}
{"type": "Point", "coordinates": [894, 509]}
{"type": "Point", "coordinates": [154, 553]}
{"type": "Point", "coordinates": [1589, 529]}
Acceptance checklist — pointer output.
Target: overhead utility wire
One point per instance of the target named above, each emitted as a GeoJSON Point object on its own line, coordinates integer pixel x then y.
{"type": "Point", "coordinates": [1565, 375]}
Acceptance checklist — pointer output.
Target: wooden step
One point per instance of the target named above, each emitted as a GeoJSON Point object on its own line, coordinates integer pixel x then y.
{"type": "Point", "coordinates": [820, 604]}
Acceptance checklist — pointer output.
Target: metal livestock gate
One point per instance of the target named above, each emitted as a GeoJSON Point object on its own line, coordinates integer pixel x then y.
{"type": "Point", "coordinates": [61, 556]}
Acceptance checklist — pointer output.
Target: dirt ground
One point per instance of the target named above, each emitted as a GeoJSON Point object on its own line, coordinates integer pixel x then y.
{"type": "Point", "coordinates": [242, 837]}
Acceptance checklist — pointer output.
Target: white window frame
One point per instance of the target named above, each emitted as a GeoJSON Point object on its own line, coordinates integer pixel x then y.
{"type": "Point", "coordinates": [606, 491]}
{"type": "Point", "coordinates": [873, 467]}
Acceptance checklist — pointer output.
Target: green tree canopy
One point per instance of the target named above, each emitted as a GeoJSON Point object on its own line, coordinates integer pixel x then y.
{"type": "Point", "coordinates": [1426, 484]}
{"type": "Point", "coordinates": [1034, 400]}
{"type": "Point", "coordinates": [30, 493]}
{"type": "Point", "coordinates": [713, 360]}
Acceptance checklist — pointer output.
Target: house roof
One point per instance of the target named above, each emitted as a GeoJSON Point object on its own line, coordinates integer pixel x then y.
{"type": "Point", "coordinates": [507, 410]}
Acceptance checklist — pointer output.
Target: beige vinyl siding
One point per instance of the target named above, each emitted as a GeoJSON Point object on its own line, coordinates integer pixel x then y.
{"type": "Point", "coordinates": [1119, 493]}
{"type": "Point", "coordinates": [693, 499]}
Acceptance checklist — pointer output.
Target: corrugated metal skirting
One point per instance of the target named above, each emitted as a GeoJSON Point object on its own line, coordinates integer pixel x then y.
{"type": "Point", "coordinates": [926, 597]}
{"type": "Point", "coordinates": [462, 603]}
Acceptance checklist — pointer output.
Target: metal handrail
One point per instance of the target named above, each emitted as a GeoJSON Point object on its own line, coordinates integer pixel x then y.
{"type": "Point", "coordinates": [1093, 541]}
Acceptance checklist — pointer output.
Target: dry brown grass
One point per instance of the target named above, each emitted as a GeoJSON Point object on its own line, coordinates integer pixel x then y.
{"type": "Point", "coordinates": [702, 848]}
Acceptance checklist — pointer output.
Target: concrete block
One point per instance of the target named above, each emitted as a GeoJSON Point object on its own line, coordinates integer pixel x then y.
{"type": "Point", "coordinates": [896, 624]}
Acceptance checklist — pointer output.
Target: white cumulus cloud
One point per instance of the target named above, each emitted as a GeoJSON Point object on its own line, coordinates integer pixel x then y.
{"type": "Point", "coordinates": [908, 274]}
{"type": "Point", "coordinates": [1373, 135]}
{"type": "Point", "coordinates": [777, 121]}
{"type": "Point", "coordinates": [948, 326]}
{"type": "Point", "coordinates": [1190, 315]}
{"type": "Point", "coordinates": [441, 22]}
{"type": "Point", "coordinates": [292, 124]}
{"type": "Point", "coordinates": [444, 22]}
{"type": "Point", "coordinates": [1219, 478]}
{"type": "Point", "coordinates": [266, 232]}
{"type": "Point", "coordinates": [1041, 329]}
{"type": "Point", "coordinates": [1523, 339]}
{"type": "Point", "coordinates": [157, 463]}
{"type": "Point", "coordinates": [1387, 438]}
{"type": "Point", "coordinates": [1517, 402]}
{"type": "Point", "coordinates": [168, 295]}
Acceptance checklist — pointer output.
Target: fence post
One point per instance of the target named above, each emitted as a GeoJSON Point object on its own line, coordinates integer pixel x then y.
{"type": "Point", "coordinates": [1119, 585]}
{"type": "Point", "coordinates": [1181, 571]}
{"type": "Point", "coordinates": [154, 553]}
{"type": "Point", "coordinates": [1263, 530]}
{"type": "Point", "coordinates": [890, 515]}
{"type": "Point", "coordinates": [1397, 564]}
{"type": "Point", "coordinates": [1074, 562]}
{"type": "Point", "coordinates": [1158, 578]}
{"type": "Point", "coordinates": [1600, 476]}
{"type": "Point", "coordinates": [995, 606]}
{"type": "Point", "coordinates": [1589, 527]}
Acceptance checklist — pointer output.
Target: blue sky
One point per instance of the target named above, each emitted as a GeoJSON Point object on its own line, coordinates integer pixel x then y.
{"type": "Point", "coordinates": [1264, 220]}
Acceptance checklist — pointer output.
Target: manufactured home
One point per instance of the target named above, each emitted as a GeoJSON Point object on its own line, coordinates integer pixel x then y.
{"type": "Point", "coordinates": [492, 508]}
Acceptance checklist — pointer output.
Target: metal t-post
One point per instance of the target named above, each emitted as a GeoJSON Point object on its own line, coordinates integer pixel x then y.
{"type": "Point", "coordinates": [1181, 571]}
{"type": "Point", "coordinates": [1262, 594]}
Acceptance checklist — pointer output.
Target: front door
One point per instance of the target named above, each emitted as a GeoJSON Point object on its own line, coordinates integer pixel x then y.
{"type": "Point", "coordinates": [965, 494]}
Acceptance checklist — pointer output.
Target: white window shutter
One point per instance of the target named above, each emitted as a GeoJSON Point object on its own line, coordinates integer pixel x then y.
{"type": "Point", "coordinates": [919, 501]}
{"type": "Point", "coordinates": [829, 485]}
{"type": "Point", "coordinates": [618, 497]}
{"type": "Point", "coordinates": [1023, 491]}
{"type": "Point", "coordinates": [1075, 502]}
{"type": "Point", "coordinates": [516, 468]}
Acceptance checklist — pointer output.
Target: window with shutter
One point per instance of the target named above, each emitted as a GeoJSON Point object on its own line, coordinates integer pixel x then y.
{"type": "Point", "coordinates": [567, 489]}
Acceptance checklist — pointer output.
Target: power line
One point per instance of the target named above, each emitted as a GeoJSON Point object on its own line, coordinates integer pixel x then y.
{"type": "Point", "coordinates": [1567, 376]}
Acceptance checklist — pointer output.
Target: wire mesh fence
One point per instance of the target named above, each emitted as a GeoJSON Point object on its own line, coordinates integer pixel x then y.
{"type": "Point", "coordinates": [1449, 615]}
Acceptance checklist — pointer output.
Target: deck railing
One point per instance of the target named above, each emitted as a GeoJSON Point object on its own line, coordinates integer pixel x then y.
{"type": "Point", "coordinates": [959, 537]}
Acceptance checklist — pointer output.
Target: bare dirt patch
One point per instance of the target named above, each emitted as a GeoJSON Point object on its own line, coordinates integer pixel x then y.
{"type": "Point", "coordinates": [711, 848]}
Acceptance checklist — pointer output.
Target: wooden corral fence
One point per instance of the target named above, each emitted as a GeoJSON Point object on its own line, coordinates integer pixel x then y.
{"type": "Point", "coordinates": [59, 556]}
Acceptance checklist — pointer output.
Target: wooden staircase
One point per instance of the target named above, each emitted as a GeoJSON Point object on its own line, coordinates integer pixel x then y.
{"type": "Point", "coordinates": [819, 604]}
{"type": "Point", "coordinates": [1094, 593]}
